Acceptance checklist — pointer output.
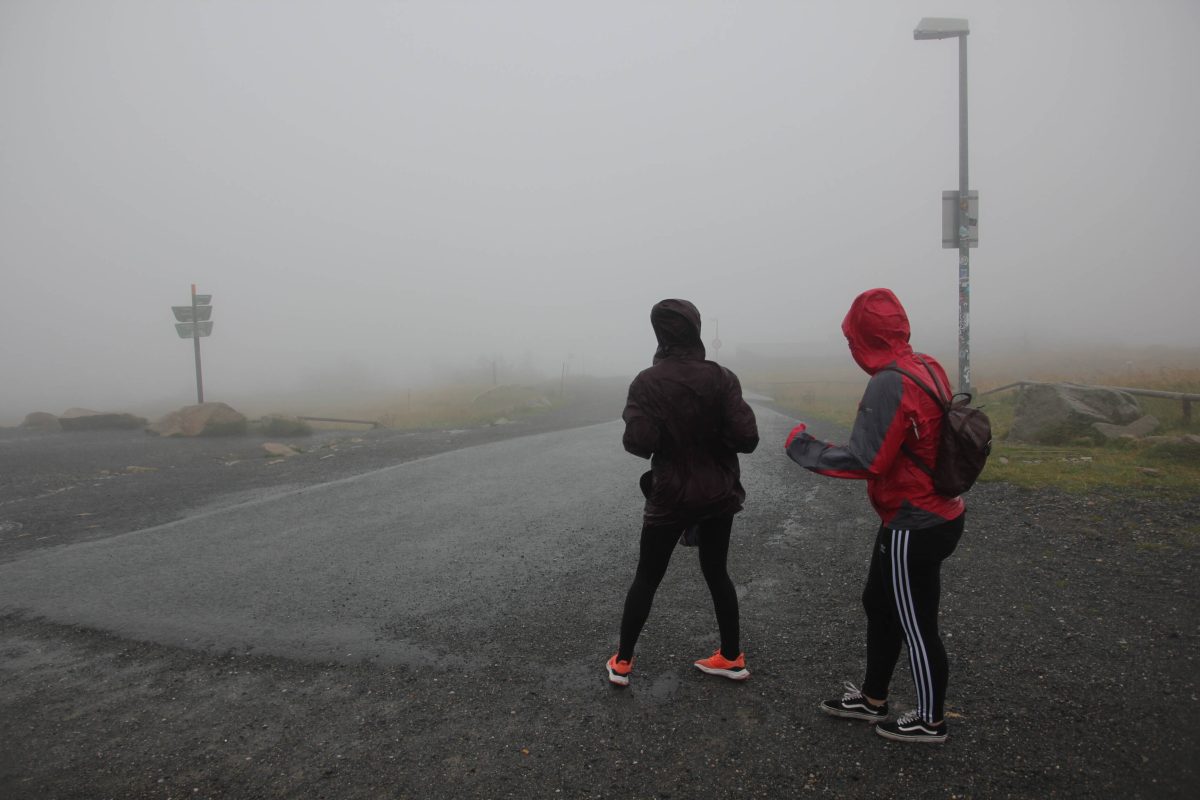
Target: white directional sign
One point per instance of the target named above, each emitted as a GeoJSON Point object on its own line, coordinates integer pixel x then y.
{"type": "Point", "coordinates": [184, 313]}
{"type": "Point", "coordinates": [185, 329]}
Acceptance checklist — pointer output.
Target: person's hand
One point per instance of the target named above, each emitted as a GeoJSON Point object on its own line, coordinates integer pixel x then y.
{"type": "Point", "coordinates": [796, 431]}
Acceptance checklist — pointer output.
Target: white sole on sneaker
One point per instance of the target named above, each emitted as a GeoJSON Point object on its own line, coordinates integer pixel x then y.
{"type": "Point", "coordinates": [616, 679]}
{"type": "Point", "coordinates": [859, 715]}
{"type": "Point", "coordinates": [739, 675]}
{"type": "Point", "coordinates": [900, 737]}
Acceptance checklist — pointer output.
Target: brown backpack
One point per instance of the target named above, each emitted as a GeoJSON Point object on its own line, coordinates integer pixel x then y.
{"type": "Point", "coordinates": [963, 444]}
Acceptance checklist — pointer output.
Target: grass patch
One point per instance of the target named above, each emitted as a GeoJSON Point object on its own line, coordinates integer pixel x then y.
{"type": "Point", "coordinates": [280, 426]}
{"type": "Point", "coordinates": [1087, 464]}
{"type": "Point", "coordinates": [463, 406]}
{"type": "Point", "coordinates": [443, 407]}
{"type": "Point", "coordinates": [1079, 470]}
{"type": "Point", "coordinates": [1189, 537]}
{"type": "Point", "coordinates": [1080, 465]}
{"type": "Point", "coordinates": [233, 428]}
{"type": "Point", "coordinates": [832, 398]}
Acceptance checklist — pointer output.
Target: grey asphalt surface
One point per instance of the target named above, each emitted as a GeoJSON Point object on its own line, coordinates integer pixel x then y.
{"type": "Point", "coordinates": [438, 628]}
{"type": "Point", "coordinates": [345, 570]}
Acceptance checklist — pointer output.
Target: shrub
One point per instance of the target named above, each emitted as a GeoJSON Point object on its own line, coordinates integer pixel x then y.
{"type": "Point", "coordinates": [232, 428]}
{"type": "Point", "coordinates": [1174, 453]}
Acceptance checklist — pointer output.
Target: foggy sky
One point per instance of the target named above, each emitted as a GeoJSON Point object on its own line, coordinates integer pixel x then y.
{"type": "Point", "coordinates": [389, 189]}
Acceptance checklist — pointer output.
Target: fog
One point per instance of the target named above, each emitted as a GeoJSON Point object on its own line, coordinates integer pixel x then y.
{"type": "Point", "coordinates": [394, 194]}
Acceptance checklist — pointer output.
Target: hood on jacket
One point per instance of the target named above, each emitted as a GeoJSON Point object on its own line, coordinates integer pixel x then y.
{"type": "Point", "coordinates": [676, 325]}
{"type": "Point", "coordinates": [876, 329]}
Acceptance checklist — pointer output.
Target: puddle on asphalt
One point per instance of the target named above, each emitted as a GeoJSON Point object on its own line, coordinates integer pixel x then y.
{"type": "Point", "coordinates": [662, 688]}
{"type": "Point", "coordinates": [644, 690]}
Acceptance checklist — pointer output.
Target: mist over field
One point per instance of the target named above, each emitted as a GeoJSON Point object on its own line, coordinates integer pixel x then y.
{"type": "Point", "coordinates": [382, 195]}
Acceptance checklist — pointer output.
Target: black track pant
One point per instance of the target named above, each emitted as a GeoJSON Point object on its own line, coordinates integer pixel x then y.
{"type": "Point", "coordinates": [657, 544]}
{"type": "Point", "coordinates": [901, 598]}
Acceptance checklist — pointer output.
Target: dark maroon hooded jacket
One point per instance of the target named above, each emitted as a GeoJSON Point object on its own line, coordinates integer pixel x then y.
{"type": "Point", "coordinates": [893, 412]}
{"type": "Point", "coordinates": [687, 415]}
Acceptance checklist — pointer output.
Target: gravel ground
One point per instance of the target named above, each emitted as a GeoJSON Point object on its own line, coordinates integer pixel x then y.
{"type": "Point", "coordinates": [1071, 623]}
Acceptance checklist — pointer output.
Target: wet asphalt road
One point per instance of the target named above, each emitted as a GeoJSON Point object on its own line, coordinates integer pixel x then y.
{"type": "Point", "coordinates": [344, 571]}
{"type": "Point", "coordinates": [356, 569]}
{"type": "Point", "coordinates": [437, 628]}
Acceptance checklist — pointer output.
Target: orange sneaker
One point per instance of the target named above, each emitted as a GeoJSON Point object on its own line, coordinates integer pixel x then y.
{"type": "Point", "coordinates": [717, 664]}
{"type": "Point", "coordinates": [619, 671]}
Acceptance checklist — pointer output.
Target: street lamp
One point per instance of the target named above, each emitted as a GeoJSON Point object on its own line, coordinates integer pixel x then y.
{"type": "Point", "coordinates": [967, 233]}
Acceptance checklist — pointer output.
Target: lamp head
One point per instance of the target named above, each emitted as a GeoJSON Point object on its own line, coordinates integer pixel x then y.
{"type": "Point", "coordinates": [940, 28]}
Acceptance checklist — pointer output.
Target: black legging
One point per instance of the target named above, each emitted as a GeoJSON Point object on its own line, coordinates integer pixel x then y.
{"type": "Point", "coordinates": [901, 600]}
{"type": "Point", "coordinates": [657, 544]}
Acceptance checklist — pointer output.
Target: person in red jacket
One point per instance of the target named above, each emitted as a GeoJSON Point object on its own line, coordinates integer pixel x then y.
{"type": "Point", "coordinates": [687, 415]}
{"type": "Point", "coordinates": [897, 424]}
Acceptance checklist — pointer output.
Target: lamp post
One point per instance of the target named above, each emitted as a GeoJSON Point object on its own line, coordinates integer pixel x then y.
{"type": "Point", "coordinates": [967, 237]}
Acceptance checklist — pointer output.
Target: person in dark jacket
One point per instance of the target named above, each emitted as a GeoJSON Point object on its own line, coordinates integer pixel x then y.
{"type": "Point", "coordinates": [897, 424]}
{"type": "Point", "coordinates": [688, 417]}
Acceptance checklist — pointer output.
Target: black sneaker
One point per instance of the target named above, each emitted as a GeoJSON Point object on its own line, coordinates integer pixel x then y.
{"type": "Point", "coordinates": [852, 705]}
{"type": "Point", "coordinates": [911, 728]}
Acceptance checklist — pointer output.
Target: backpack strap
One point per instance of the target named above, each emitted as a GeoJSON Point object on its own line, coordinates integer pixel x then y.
{"type": "Point", "coordinates": [938, 398]}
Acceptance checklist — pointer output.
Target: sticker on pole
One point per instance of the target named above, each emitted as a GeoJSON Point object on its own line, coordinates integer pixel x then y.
{"type": "Point", "coordinates": [954, 234]}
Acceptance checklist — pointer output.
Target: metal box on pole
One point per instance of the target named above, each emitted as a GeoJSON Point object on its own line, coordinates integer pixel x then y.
{"type": "Point", "coordinates": [960, 226]}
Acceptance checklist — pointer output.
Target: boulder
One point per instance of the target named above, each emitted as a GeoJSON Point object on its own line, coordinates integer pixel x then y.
{"type": "Point", "coordinates": [1143, 426]}
{"type": "Point", "coordinates": [1058, 413]}
{"type": "Point", "coordinates": [41, 421]}
{"type": "Point", "coordinates": [84, 419]}
{"type": "Point", "coordinates": [206, 419]}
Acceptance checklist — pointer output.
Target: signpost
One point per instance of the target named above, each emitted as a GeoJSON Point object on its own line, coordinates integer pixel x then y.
{"type": "Point", "coordinates": [192, 322]}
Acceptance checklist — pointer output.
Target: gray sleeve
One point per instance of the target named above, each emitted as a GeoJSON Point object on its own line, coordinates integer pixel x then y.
{"type": "Point", "coordinates": [874, 438]}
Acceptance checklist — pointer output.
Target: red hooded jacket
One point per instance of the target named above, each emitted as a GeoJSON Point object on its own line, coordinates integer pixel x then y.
{"type": "Point", "coordinates": [893, 412]}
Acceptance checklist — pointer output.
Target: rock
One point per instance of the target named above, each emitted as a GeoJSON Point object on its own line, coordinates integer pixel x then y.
{"type": "Point", "coordinates": [1136, 429]}
{"type": "Point", "coordinates": [1151, 471]}
{"type": "Point", "coordinates": [41, 421]}
{"type": "Point", "coordinates": [1057, 413]}
{"type": "Point", "coordinates": [278, 449]}
{"type": "Point", "coordinates": [206, 419]}
{"type": "Point", "coordinates": [84, 419]}
{"type": "Point", "coordinates": [74, 412]}
{"type": "Point", "coordinates": [1192, 439]}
